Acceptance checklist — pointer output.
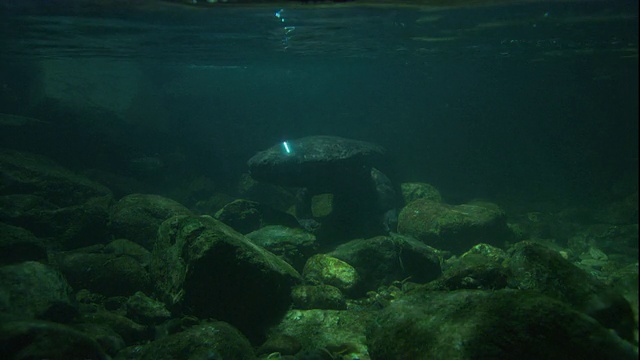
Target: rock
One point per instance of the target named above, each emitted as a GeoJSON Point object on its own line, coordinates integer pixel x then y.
{"type": "Point", "coordinates": [292, 245]}
{"type": "Point", "coordinates": [316, 162]}
{"type": "Point", "coordinates": [105, 273]}
{"type": "Point", "coordinates": [34, 339]}
{"type": "Point", "coordinates": [136, 217]}
{"type": "Point", "coordinates": [477, 324]}
{"type": "Point", "coordinates": [322, 269]}
{"type": "Point", "coordinates": [480, 268]}
{"type": "Point", "coordinates": [124, 247]}
{"type": "Point", "coordinates": [205, 266]}
{"type": "Point", "coordinates": [30, 289]}
{"type": "Point", "coordinates": [384, 259]}
{"type": "Point", "coordinates": [536, 268]}
{"type": "Point", "coordinates": [337, 334]}
{"type": "Point", "coordinates": [146, 310]}
{"type": "Point", "coordinates": [344, 168]}
{"type": "Point", "coordinates": [110, 341]}
{"type": "Point", "coordinates": [211, 340]}
{"type": "Point", "coordinates": [318, 297]}
{"type": "Point", "coordinates": [418, 190]}
{"type": "Point", "coordinates": [63, 227]}
{"type": "Point", "coordinates": [130, 331]}
{"type": "Point", "coordinates": [276, 197]}
{"type": "Point", "coordinates": [18, 245]}
{"type": "Point", "coordinates": [454, 228]}
{"type": "Point", "coordinates": [25, 173]}
{"type": "Point", "coordinates": [281, 344]}
{"type": "Point", "coordinates": [246, 216]}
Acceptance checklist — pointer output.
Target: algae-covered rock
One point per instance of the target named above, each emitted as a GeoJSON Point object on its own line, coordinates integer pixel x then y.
{"type": "Point", "coordinates": [211, 340]}
{"type": "Point", "coordinates": [146, 310]}
{"type": "Point", "coordinates": [336, 333]}
{"type": "Point", "coordinates": [105, 273]}
{"type": "Point", "coordinates": [291, 244]}
{"type": "Point", "coordinates": [384, 259]}
{"type": "Point", "coordinates": [318, 297]}
{"type": "Point", "coordinates": [129, 330]}
{"type": "Point", "coordinates": [417, 190]}
{"type": "Point", "coordinates": [502, 324]}
{"type": "Point", "coordinates": [454, 227]}
{"type": "Point", "coordinates": [35, 339]}
{"type": "Point", "coordinates": [25, 173]}
{"type": "Point", "coordinates": [50, 201]}
{"type": "Point", "coordinates": [136, 217]}
{"type": "Point", "coordinates": [323, 269]}
{"type": "Point", "coordinates": [536, 268]}
{"type": "Point", "coordinates": [480, 268]}
{"type": "Point", "coordinates": [18, 245]}
{"type": "Point", "coordinates": [213, 271]}
{"type": "Point", "coordinates": [30, 289]}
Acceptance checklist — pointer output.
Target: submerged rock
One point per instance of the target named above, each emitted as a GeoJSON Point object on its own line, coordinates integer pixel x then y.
{"type": "Point", "coordinates": [316, 162]}
{"type": "Point", "coordinates": [34, 339]}
{"type": "Point", "coordinates": [211, 340]}
{"type": "Point", "coordinates": [103, 272]}
{"type": "Point", "coordinates": [342, 167]}
{"type": "Point", "coordinates": [18, 245]}
{"type": "Point", "coordinates": [136, 217]}
{"type": "Point", "coordinates": [382, 260]}
{"type": "Point", "coordinates": [213, 271]}
{"type": "Point", "coordinates": [502, 324]}
{"type": "Point", "coordinates": [30, 289]}
{"type": "Point", "coordinates": [454, 228]}
{"type": "Point", "coordinates": [52, 202]}
{"type": "Point", "coordinates": [321, 269]}
{"type": "Point", "coordinates": [295, 246]}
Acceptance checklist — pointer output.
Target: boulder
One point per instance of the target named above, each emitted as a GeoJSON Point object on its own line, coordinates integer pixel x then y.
{"type": "Point", "coordinates": [382, 260]}
{"type": "Point", "coordinates": [18, 245]}
{"type": "Point", "coordinates": [293, 245]}
{"type": "Point", "coordinates": [454, 228]}
{"type": "Point", "coordinates": [35, 339]}
{"type": "Point", "coordinates": [102, 271]}
{"type": "Point", "coordinates": [246, 216]}
{"type": "Point", "coordinates": [322, 269]}
{"type": "Point", "coordinates": [210, 340]}
{"type": "Point", "coordinates": [534, 267]}
{"type": "Point", "coordinates": [501, 324]}
{"type": "Point", "coordinates": [136, 217]}
{"type": "Point", "coordinates": [30, 289]}
{"type": "Point", "coordinates": [213, 271]}
{"type": "Point", "coordinates": [51, 201]}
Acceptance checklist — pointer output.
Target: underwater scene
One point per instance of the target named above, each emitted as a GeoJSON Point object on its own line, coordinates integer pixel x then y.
{"type": "Point", "coordinates": [318, 180]}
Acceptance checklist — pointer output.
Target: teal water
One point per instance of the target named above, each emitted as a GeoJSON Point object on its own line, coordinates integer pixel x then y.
{"type": "Point", "coordinates": [521, 104]}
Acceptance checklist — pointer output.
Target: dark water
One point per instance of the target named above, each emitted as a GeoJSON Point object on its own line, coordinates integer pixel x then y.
{"type": "Point", "coordinates": [520, 104]}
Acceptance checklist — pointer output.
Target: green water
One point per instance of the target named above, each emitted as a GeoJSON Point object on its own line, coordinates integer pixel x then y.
{"type": "Point", "coordinates": [527, 105]}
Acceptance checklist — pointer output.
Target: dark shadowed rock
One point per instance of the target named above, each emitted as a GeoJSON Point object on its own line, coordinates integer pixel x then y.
{"type": "Point", "coordinates": [51, 201]}
{"type": "Point", "coordinates": [30, 288]}
{"type": "Point", "coordinates": [315, 162]}
{"type": "Point", "coordinates": [246, 216]}
{"type": "Point", "coordinates": [18, 244]}
{"type": "Point", "coordinates": [136, 217]}
{"type": "Point", "coordinates": [103, 272]}
{"type": "Point", "coordinates": [34, 339]}
{"type": "Point", "coordinates": [536, 268]}
{"type": "Point", "coordinates": [213, 271]}
{"type": "Point", "coordinates": [211, 340]}
{"type": "Point", "coordinates": [342, 167]}
{"type": "Point", "coordinates": [502, 324]}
